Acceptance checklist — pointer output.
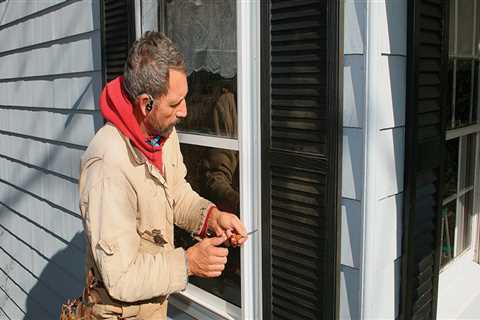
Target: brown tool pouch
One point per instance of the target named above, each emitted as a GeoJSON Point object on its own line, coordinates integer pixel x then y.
{"type": "Point", "coordinates": [81, 308]}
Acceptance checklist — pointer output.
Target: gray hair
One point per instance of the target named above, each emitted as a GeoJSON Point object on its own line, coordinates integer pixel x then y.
{"type": "Point", "coordinates": [147, 67]}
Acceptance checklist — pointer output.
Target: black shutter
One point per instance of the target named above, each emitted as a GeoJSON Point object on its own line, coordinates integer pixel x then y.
{"type": "Point", "coordinates": [427, 85]}
{"type": "Point", "coordinates": [301, 143]}
{"type": "Point", "coordinates": [118, 33]}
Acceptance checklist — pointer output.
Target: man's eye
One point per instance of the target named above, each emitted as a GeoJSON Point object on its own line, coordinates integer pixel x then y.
{"type": "Point", "coordinates": [176, 105]}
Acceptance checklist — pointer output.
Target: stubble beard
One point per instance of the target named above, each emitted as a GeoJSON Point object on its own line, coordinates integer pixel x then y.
{"type": "Point", "coordinates": [159, 130]}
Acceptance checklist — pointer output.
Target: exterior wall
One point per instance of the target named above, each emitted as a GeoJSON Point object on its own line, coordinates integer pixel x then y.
{"type": "Point", "coordinates": [373, 155]}
{"type": "Point", "coordinates": [51, 77]}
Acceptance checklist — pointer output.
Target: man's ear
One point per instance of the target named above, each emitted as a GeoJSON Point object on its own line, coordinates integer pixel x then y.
{"type": "Point", "coordinates": [144, 102]}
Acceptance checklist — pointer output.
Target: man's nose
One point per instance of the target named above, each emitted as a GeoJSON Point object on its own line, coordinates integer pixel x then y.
{"type": "Point", "coordinates": [182, 110]}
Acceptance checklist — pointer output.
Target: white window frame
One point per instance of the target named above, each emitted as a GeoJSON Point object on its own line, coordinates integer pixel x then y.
{"type": "Point", "coordinates": [462, 134]}
{"type": "Point", "coordinates": [194, 300]}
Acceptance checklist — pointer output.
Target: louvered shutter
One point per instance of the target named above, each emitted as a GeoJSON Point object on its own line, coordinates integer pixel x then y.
{"type": "Point", "coordinates": [301, 117]}
{"type": "Point", "coordinates": [425, 135]}
{"type": "Point", "coordinates": [118, 34]}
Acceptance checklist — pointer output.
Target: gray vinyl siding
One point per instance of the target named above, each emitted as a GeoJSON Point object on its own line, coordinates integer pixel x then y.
{"type": "Point", "coordinates": [50, 79]}
{"type": "Point", "coordinates": [353, 157]}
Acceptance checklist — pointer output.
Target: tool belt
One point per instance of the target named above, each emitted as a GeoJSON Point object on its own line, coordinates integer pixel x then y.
{"type": "Point", "coordinates": [81, 308]}
{"type": "Point", "coordinates": [95, 292]}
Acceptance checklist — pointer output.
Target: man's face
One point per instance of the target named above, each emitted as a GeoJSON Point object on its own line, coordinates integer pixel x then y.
{"type": "Point", "coordinates": [169, 109]}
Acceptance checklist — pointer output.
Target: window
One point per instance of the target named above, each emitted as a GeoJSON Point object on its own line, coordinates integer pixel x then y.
{"type": "Point", "coordinates": [463, 127]}
{"type": "Point", "coordinates": [217, 137]}
{"type": "Point", "coordinates": [205, 31]}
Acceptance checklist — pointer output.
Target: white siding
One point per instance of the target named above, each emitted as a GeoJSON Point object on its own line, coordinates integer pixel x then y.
{"type": "Point", "coordinates": [373, 155]}
{"type": "Point", "coordinates": [49, 85]}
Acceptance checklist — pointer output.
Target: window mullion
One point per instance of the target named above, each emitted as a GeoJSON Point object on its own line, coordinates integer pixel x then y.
{"type": "Point", "coordinates": [208, 141]}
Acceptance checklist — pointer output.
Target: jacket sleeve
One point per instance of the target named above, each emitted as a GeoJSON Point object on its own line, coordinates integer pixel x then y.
{"type": "Point", "coordinates": [190, 209]}
{"type": "Point", "coordinates": [219, 167]}
{"type": "Point", "coordinates": [110, 223]}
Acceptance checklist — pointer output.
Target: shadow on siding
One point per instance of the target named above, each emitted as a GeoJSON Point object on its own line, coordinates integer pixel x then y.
{"type": "Point", "coordinates": [42, 298]}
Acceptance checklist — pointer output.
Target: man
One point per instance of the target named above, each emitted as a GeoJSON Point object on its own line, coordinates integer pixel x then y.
{"type": "Point", "coordinates": [133, 190]}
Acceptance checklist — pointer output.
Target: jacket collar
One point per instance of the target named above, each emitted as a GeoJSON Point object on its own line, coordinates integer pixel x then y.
{"type": "Point", "coordinates": [140, 159]}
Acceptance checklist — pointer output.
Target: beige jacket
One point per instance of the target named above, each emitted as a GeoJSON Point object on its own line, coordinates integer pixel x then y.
{"type": "Point", "coordinates": [129, 210]}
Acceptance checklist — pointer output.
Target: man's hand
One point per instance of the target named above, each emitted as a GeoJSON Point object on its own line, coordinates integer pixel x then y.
{"type": "Point", "coordinates": [206, 259]}
{"type": "Point", "coordinates": [228, 224]}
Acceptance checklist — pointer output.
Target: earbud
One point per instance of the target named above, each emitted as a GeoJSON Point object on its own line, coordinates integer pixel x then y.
{"type": "Point", "coordinates": [149, 105]}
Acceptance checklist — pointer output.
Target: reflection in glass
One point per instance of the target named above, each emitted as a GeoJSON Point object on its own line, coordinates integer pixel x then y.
{"type": "Point", "coordinates": [466, 203]}
{"type": "Point", "coordinates": [451, 26]}
{"type": "Point", "coordinates": [463, 92]}
{"type": "Point", "coordinates": [449, 217]}
{"type": "Point", "coordinates": [211, 105]}
{"type": "Point", "coordinates": [469, 160]}
{"type": "Point", "coordinates": [450, 94]}
{"type": "Point", "coordinates": [451, 168]}
{"type": "Point", "coordinates": [476, 90]}
{"type": "Point", "coordinates": [205, 31]}
{"type": "Point", "coordinates": [214, 174]}
{"type": "Point", "coordinates": [465, 20]}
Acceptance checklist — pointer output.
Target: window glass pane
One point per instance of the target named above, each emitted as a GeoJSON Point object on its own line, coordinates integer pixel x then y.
{"type": "Point", "coordinates": [448, 232]}
{"type": "Point", "coordinates": [214, 174]}
{"type": "Point", "coordinates": [466, 203]}
{"type": "Point", "coordinates": [451, 168]}
{"type": "Point", "coordinates": [463, 92]}
{"type": "Point", "coordinates": [478, 29]}
{"type": "Point", "coordinates": [451, 38]}
{"type": "Point", "coordinates": [476, 91]}
{"type": "Point", "coordinates": [205, 31]}
{"type": "Point", "coordinates": [450, 94]}
{"type": "Point", "coordinates": [468, 161]}
{"type": "Point", "coordinates": [465, 27]}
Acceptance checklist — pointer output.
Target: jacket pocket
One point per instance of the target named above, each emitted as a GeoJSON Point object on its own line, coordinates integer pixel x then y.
{"type": "Point", "coordinates": [108, 260]}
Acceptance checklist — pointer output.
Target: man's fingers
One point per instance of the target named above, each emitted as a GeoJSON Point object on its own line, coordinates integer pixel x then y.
{"type": "Point", "coordinates": [216, 267]}
{"type": "Point", "coordinates": [213, 274]}
{"type": "Point", "coordinates": [242, 240]}
{"type": "Point", "coordinates": [216, 241]}
{"type": "Point", "coordinates": [218, 260]}
{"type": "Point", "coordinates": [218, 251]}
{"type": "Point", "coordinates": [239, 227]}
{"type": "Point", "coordinates": [219, 231]}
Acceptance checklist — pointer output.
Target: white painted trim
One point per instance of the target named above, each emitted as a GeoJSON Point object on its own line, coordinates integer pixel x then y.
{"type": "Point", "coordinates": [138, 19]}
{"type": "Point", "coordinates": [205, 306]}
{"type": "Point", "coordinates": [248, 100]}
{"type": "Point", "coordinates": [208, 141]}
{"type": "Point", "coordinates": [455, 291]}
{"type": "Point", "coordinates": [456, 133]}
{"type": "Point", "coordinates": [369, 189]}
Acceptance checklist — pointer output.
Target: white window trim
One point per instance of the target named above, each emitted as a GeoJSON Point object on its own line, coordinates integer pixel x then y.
{"type": "Point", "coordinates": [208, 141]}
{"type": "Point", "coordinates": [248, 44]}
{"type": "Point", "coordinates": [138, 18]}
{"type": "Point", "coordinates": [463, 133]}
{"type": "Point", "coordinates": [201, 304]}
{"type": "Point", "coordinates": [195, 301]}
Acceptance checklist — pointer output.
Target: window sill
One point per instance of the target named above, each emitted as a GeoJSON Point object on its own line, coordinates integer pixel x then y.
{"type": "Point", "coordinates": [455, 291]}
{"type": "Point", "coordinates": [202, 305]}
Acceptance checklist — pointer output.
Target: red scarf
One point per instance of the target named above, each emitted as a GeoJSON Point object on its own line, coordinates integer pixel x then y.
{"type": "Point", "coordinates": [117, 109]}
